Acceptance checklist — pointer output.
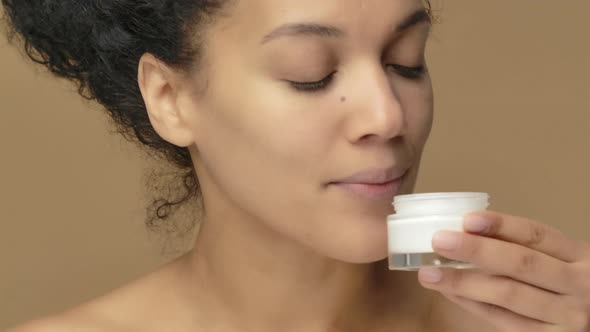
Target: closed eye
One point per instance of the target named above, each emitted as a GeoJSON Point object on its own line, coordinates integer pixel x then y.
{"type": "Point", "coordinates": [413, 73]}
{"type": "Point", "coordinates": [313, 86]}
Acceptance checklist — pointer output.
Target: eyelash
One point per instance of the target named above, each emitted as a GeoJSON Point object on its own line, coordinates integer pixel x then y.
{"type": "Point", "coordinates": [412, 73]}
{"type": "Point", "coordinates": [313, 86]}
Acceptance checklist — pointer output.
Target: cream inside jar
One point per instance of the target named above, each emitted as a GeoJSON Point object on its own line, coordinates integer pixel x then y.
{"type": "Point", "coordinates": [418, 217]}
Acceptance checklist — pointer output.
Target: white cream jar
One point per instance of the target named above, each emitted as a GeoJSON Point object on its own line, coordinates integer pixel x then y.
{"type": "Point", "coordinates": [418, 217]}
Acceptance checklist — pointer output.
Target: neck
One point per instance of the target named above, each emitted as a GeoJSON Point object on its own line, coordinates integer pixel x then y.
{"type": "Point", "coordinates": [252, 279]}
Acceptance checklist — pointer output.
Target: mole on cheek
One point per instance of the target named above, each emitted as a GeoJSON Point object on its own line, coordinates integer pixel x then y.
{"type": "Point", "coordinates": [342, 99]}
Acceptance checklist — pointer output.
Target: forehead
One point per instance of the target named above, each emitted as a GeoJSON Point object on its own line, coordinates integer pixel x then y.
{"type": "Point", "coordinates": [255, 18]}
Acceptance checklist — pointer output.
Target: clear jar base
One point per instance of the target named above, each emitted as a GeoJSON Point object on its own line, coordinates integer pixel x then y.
{"type": "Point", "coordinates": [415, 261]}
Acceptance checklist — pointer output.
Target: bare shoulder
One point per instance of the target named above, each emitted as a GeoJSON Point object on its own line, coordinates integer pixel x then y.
{"type": "Point", "coordinates": [37, 326]}
{"type": "Point", "coordinates": [54, 324]}
{"type": "Point", "coordinates": [84, 318]}
{"type": "Point", "coordinates": [124, 309]}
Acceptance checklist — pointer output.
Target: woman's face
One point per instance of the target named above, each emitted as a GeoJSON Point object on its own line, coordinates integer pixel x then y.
{"type": "Point", "coordinates": [271, 152]}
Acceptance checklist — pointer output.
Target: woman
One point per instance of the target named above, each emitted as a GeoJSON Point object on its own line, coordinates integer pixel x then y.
{"type": "Point", "coordinates": [301, 120]}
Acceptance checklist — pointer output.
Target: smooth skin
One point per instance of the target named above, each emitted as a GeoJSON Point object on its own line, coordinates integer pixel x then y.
{"type": "Point", "coordinates": [530, 276]}
{"type": "Point", "coordinates": [289, 97]}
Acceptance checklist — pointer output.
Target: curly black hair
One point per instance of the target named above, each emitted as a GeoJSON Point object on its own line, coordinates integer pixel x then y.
{"type": "Point", "coordinates": [98, 45]}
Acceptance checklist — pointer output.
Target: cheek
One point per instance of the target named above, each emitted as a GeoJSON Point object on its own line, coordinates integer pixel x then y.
{"type": "Point", "coordinates": [418, 103]}
{"type": "Point", "coordinates": [264, 150]}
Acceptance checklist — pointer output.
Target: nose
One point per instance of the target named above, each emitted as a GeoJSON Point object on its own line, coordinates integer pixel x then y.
{"type": "Point", "coordinates": [378, 114]}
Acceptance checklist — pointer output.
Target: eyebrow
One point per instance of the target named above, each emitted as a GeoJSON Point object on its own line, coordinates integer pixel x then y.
{"type": "Point", "coordinates": [328, 31]}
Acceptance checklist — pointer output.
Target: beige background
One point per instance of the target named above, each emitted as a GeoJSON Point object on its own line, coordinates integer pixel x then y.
{"type": "Point", "coordinates": [512, 118]}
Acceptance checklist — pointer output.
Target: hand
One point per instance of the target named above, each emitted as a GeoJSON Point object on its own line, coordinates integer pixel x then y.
{"type": "Point", "coordinates": [529, 277]}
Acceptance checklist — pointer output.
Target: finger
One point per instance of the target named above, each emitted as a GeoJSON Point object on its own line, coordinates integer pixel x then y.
{"type": "Point", "coordinates": [528, 233]}
{"type": "Point", "coordinates": [520, 298]}
{"type": "Point", "coordinates": [506, 259]}
{"type": "Point", "coordinates": [503, 319]}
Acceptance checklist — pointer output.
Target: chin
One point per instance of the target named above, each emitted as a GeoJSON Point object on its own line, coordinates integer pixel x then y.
{"type": "Point", "coordinates": [354, 244]}
{"type": "Point", "coordinates": [363, 253]}
{"type": "Point", "coordinates": [362, 257]}
{"type": "Point", "coordinates": [357, 233]}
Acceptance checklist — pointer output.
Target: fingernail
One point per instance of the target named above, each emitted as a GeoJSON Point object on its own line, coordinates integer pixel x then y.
{"type": "Point", "coordinates": [476, 224]}
{"type": "Point", "coordinates": [430, 275]}
{"type": "Point", "coordinates": [446, 240]}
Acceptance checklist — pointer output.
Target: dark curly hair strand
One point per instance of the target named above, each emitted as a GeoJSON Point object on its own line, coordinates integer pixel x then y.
{"type": "Point", "coordinates": [98, 45]}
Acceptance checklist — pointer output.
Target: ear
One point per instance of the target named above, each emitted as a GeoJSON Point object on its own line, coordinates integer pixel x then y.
{"type": "Point", "coordinates": [160, 86]}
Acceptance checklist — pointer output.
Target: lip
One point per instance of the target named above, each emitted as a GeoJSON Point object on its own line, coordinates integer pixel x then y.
{"type": "Point", "coordinates": [374, 183]}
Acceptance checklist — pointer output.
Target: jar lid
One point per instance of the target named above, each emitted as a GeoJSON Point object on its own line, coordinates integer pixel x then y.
{"type": "Point", "coordinates": [438, 195]}
{"type": "Point", "coordinates": [438, 203]}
